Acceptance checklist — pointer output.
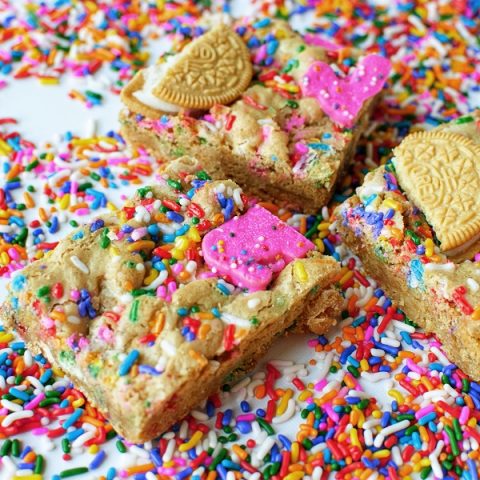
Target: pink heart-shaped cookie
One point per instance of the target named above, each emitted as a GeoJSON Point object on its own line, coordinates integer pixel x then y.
{"type": "Point", "coordinates": [342, 98]}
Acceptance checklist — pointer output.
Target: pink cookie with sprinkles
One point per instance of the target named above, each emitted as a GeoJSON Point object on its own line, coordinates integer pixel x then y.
{"type": "Point", "coordinates": [250, 249]}
{"type": "Point", "coordinates": [146, 321]}
{"type": "Point", "coordinates": [287, 136]}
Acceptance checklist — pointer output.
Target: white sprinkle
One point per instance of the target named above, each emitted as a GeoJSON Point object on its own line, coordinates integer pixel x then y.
{"type": "Point", "coordinates": [473, 285]}
{"type": "Point", "coordinates": [439, 267]}
{"type": "Point", "coordinates": [396, 427]}
{"type": "Point", "coordinates": [162, 276]}
{"type": "Point", "coordinates": [265, 447]}
{"type": "Point", "coordinates": [253, 303]}
{"type": "Point", "coordinates": [237, 198]}
{"type": "Point", "coordinates": [233, 319]}
{"type": "Point", "coordinates": [167, 456]}
{"type": "Point", "coordinates": [79, 264]}
{"type": "Point", "coordinates": [84, 437]}
{"type": "Point", "coordinates": [439, 354]}
{"type": "Point", "coordinates": [197, 415]}
{"type": "Point", "coordinates": [73, 319]}
{"type": "Point", "coordinates": [12, 417]}
{"type": "Point", "coordinates": [242, 384]}
{"type": "Point", "coordinates": [403, 326]}
{"type": "Point", "coordinates": [451, 391]}
{"type": "Point", "coordinates": [168, 348]}
{"type": "Point", "coordinates": [287, 415]}
{"type": "Point", "coordinates": [436, 468]}
{"type": "Point", "coordinates": [12, 406]}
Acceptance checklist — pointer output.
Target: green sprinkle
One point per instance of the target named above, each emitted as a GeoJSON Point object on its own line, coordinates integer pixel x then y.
{"type": "Point", "coordinates": [65, 445]}
{"type": "Point", "coordinates": [254, 321]}
{"type": "Point", "coordinates": [203, 175]}
{"type": "Point", "coordinates": [111, 434]}
{"type": "Point", "coordinates": [42, 291]}
{"type": "Point", "coordinates": [120, 446]}
{"type": "Point", "coordinates": [31, 189]}
{"type": "Point", "coordinates": [38, 464]}
{"type": "Point", "coordinates": [72, 472]}
{"type": "Point", "coordinates": [457, 429]}
{"type": "Point", "coordinates": [6, 446]}
{"type": "Point", "coordinates": [32, 165]}
{"type": "Point", "coordinates": [461, 120]}
{"type": "Point", "coordinates": [266, 426]}
{"type": "Point", "coordinates": [95, 176]}
{"type": "Point", "coordinates": [221, 455]}
{"type": "Point", "coordinates": [425, 473]}
{"type": "Point", "coordinates": [133, 316]}
{"type": "Point", "coordinates": [453, 440]}
{"type": "Point", "coordinates": [354, 371]}
{"type": "Point", "coordinates": [104, 240]}
{"type": "Point", "coordinates": [48, 401]}
{"type": "Point", "coordinates": [73, 223]}
{"type": "Point", "coordinates": [85, 186]}
{"type": "Point", "coordinates": [307, 443]}
{"type": "Point", "coordinates": [174, 184]}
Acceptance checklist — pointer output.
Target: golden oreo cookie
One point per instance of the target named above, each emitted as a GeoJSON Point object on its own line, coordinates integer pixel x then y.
{"type": "Point", "coordinates": [440, 174]}
{"type": "Point", "coordinates": [215, 68]}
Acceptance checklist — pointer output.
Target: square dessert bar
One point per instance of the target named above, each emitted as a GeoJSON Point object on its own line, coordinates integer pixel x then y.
{"type": "Point", "coordinates": [286, 135]}
{"type": "Point", "coordinates": [148, 310]}
{"type": "Point", "coordinates": [415, 224]}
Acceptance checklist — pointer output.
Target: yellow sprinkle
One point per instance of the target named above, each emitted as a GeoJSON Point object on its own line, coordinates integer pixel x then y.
{"type": "Point", "coordinates": [114, 251]}
{"type": "Point", "coordinates": [295, 452]}
{"type": "Point", "coordinates": [304, 395]}
{"type": "Point", "coordinates": [193, 234]}
{"type": "Point", "coordinates": [397, 396]}
{"type": "Point", "coordinates": [354, 438]}
{"type": "Point", "coordinates": [177, 254]}
{"type": "Point", "coordinates": [151, 277]}
{"type": "Point", "coordinates": [377, 414]}
{"type": "Point", "coordinates": [141, 245]}
{"type": "Point", "coordinates": [398, 234]}
{"type": "Point", "coordinates": [323, 226]}
{"type": "Point", "coordinates": [391, 203]}
{"type": "Point", "coordinates": [28, 200]}
{"type": "Point", "coordinates": [111, 207]}
{"type": "Point", "coordinates": [320, 246]}
{"type": "Point", "coordinates": [78, 402]}
{"type": "Point", "coordinates": [239, 452]}
{"type": "Point", "coordinates": [34, 476]}
{"type": "Point", "coordinates": [57, 315]}
{"type": "Point", "coordinates": [49, 81]}
{"type": "Point", "coordinates": [299, 271]}
{"type": "Point", "coordinates": [6, 337]}
{"type": "Point", "coordinates": [282, 405]}
{"type": "Point", "coordinates": [365, 474]}
{"type": "Point", "coordinates": [93, 449]}
{"type": "Point", "coordinates": [346, 277]}
{"type": "Point", "coordinates": [182, 243]}
{"type": "Point", "coordinates": [381, 453]}
{"type": "Point", "coordinates": [364, 366]}
{"type": "Point", "coordinates": [193, 442]}
{"type": "Point", "coordinates": [64, 202]}
{"type": "Point", "coordinates": [295, 475]}
{"type": "Point", "coordinates": [429, 245]}
{"type": "Point", "coordinates": [4, 258]}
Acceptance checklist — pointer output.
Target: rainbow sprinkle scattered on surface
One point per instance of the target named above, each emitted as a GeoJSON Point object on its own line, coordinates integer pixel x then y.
{"type": "Point", "coordinates": [291, 419]}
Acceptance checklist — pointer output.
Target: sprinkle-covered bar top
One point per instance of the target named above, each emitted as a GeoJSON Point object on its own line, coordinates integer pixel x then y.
{"type": "Point", "coordinates": [403, 376]}
{"type": "Point", "coordinates": [290, 135]}
{"type": "Point", "coordinates": [179, 288]}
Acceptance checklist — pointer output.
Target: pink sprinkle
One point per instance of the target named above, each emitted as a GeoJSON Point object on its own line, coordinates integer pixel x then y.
{"type": "Point", "coordinates": [424, 411]}
{"type": "Point", "coordinates": [12, 253]}
{"type": "Point", "coordinates": [82, 211]}
{"type": "Point", "coordinates": [464, 415]}
{"type": "Point", "coordinates": [320, 385]}
{"type": "Point", "coordinates": [74, 294]}
{"type": "Point", "coordinates": [34, 402]}
{"type": "Point", "coordinates": [40, 431]}
{"type": "Point", "coordinates": [248, 417]}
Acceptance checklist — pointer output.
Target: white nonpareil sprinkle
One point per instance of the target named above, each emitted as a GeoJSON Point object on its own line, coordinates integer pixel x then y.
{"type": "Point", "coordinates": [79, 264]}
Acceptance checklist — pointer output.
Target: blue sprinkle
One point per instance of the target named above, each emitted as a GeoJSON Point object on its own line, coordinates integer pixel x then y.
{"type": "Point", "coordinates": [127, 364]}
{"type": "Point", "coordinates": [97, 461]}
{"type": "Point", "coordinates": [72, 418]}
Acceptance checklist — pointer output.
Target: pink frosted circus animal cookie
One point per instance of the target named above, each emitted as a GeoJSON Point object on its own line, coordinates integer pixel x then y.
{"type": "Point", "coordinates": [251, 248]}
{"type": "Point", "coordinates": [342, 98]}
